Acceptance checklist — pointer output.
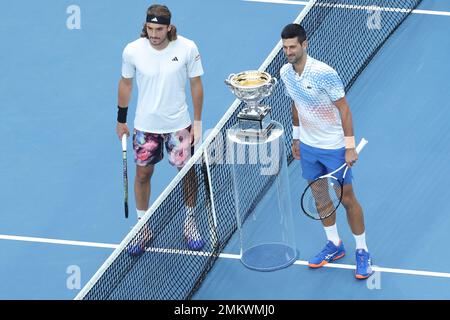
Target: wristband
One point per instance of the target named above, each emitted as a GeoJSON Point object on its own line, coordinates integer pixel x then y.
{"type": "Point", "coordinates": [349, 142]}
{"type": "Point", "coordinates": [296, 132]}
{"type": "Point", "coordinates": [122, 114]}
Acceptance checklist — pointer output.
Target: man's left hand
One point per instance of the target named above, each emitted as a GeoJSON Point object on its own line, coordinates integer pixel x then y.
{"type": "Point", "coordinates": [196, 132]}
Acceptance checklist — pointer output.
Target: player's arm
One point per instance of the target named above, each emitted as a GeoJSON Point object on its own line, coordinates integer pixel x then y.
{"type": "Point", "coordinates": [125, 88]}
{"type": "Point", "coordinates": [197, 100]}
{"type": "Point", "coordinates": [347, 124]}
{"type": "Point", "coordinates": [295, 133]}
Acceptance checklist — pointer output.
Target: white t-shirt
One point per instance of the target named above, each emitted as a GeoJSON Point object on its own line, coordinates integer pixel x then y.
{"type": "Point", "coordinates": [313, 93]}
{"type": "Point", "coordinates": [161, 78]}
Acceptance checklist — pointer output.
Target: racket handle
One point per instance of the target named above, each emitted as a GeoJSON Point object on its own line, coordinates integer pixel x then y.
{"type": "Point", "coordinates": [124, 142]}
{"type": "Point", "coordinates": [361, 145]}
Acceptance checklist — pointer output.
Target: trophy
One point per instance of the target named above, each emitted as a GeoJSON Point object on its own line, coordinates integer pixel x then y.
{"type": "Point", "coordinates": [256, 153]}
{"type": "Point", "coordinates": [251, 87]}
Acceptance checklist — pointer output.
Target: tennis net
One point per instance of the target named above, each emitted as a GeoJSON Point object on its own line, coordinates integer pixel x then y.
{"type": "Point", "coordinates": [346, 34]}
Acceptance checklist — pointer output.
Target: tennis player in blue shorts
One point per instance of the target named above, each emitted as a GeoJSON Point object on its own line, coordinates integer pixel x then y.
{"type": "Point", "coordinates": [323, 139]}
{"type": "Point", "coordinates": [162, 62]}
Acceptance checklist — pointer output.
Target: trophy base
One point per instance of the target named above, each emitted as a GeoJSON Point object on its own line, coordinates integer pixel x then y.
{"type": "Point", "coordinates": [254, 119]}
{"type": "Point", "coordinates": [255, 134]}
{"type": "Point", "coordinates": [272, 132]}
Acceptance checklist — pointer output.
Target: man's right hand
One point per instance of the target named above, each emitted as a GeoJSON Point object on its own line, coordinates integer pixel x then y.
{"type": "Point", "coordinates": [122, 129]}
{"type": "Point", "coordinates": [296, 149]}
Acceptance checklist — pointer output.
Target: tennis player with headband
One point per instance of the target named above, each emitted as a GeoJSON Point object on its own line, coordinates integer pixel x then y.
{"type": "Point", "coordinates": [323, 139]}
{"type": "Point", "coordinates": [162, 62]}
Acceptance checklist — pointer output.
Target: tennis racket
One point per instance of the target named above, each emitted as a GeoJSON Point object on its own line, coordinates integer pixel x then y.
{"type": "Point", "coordinates": [322, 197]}
{"type": "Point", "coordinates": [125, 174]}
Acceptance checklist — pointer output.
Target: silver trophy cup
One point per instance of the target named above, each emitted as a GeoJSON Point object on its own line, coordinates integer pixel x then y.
{"type": "Point", "coordinates": [251, 87]}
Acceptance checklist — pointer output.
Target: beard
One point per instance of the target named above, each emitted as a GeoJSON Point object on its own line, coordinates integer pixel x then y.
{"type": "Point", "coordinates": [156, 41]}
{"type": "Point", "coordinates": [295, 58]}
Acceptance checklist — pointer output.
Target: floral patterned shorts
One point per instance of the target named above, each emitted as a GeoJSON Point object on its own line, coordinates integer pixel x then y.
{"type": "Point", "coordinates": [148, 147]}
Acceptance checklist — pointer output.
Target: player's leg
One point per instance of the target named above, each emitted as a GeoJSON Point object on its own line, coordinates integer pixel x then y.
{"type": "Point", "coordinates": [148, 150]}
{"type": "Point", "coordinates": [323, 202]}
{"type": "Point", "coordinates": [191, 232]}
{"type": "Point", "coordinates": [142, 188]}
{"type": "Point", "coordinates": [312, 169]}
{"type": "Point", "coordinates": [190, 187]}
{"type": "Point", "coordinates": [355, 219]}
{"type": "Point", "coordinates": [179, 149]}
{"type": "Point", "coordinates": [142, 195]}
{"type": "Point", "coordinates": [353, 210]}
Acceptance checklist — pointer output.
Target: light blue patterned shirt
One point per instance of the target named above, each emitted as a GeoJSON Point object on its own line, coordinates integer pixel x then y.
{"type": "Point", "coordinates": [313, 93]}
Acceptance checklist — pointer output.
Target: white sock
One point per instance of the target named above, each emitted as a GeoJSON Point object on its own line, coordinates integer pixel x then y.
{"type": "Point", "coordinates": [361, 241]}
{"type": "Point", "coordinates": [140, 213]}
{"type": "Point", "coordinates": [189, 211]}
{"type": "Point", "coordinates": [190, 225]}
{"type": "Point", "coordinates": [332, 234]}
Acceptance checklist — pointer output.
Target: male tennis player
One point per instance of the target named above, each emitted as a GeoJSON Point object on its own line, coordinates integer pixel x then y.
{"type": "Point", "coordinates": [323, 139]}
{"type": "Point", "coordinates": [162, 61]}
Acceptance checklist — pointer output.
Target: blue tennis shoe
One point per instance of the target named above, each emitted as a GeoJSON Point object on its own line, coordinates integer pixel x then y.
{"type": "Point", "coordinates": [331, 252]}
{"type": "Point", "coordinates": [363, 264]}
{"type": "Point", "coordinates": [191, 234]}
{"type": "Point", "coordinates": [141, 243]}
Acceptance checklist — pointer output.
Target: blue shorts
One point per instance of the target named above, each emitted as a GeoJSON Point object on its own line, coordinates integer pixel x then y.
{"type": "Point", "coordinates": [316, 162]}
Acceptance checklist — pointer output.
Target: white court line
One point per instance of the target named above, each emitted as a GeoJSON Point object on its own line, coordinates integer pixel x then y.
{"type": "Point", "coordinates": [222, 255]}
{"type": "Point", "coordinates": [61, 242]}
{"type": "Point", "coordinates": [437, 13]}
{"type": "Point", "coordinates": [352, 267]}
{"type": "Point", "coordinates": [349, 6]}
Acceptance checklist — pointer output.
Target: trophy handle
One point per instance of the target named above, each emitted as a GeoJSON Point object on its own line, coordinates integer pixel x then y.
{"type": "Point", "coordinates": [273, 81]}
{"type": "Point", "coordinates": [271, 85]}
{"type": "Point", "coordinates": [228, 80]}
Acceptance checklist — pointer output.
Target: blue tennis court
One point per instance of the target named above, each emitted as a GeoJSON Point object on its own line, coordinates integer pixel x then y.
{"type": "Point", "coordinates": [62, 210]}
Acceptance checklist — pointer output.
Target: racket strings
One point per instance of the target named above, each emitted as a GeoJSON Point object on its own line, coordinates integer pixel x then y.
{"type": "Point", "coordinates": [322, 197]}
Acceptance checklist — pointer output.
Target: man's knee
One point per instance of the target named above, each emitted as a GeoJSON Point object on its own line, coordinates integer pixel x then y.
{"type": "Point", "coordinates": [348, 197]}
{"type": "Point", "coordinates": [143, 174]}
